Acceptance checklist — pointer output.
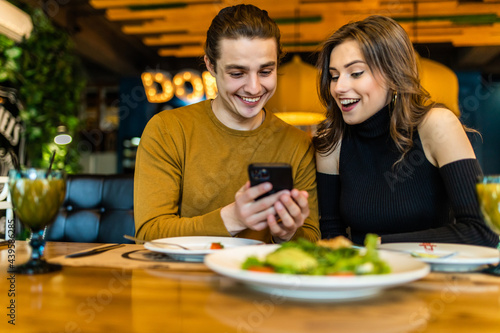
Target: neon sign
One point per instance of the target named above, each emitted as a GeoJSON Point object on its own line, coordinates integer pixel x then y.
{"type": "Point", "coordinates": [187, 85]}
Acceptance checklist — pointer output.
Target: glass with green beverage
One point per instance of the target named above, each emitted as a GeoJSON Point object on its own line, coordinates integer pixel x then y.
{"type": "Point", "coordinates": [488, 194]}
{"type": "Point", "coordinates": [36, 197]}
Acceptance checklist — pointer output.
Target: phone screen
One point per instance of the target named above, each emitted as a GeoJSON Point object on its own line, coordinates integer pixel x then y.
{"type": "Point", "coordinates": [278, 174]}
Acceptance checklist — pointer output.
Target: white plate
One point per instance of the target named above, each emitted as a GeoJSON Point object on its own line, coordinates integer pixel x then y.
{"type": "Point", "coordinates": [228, 263]}
{"type": "Point", "coordinates": [468, 257]}
{"type": "Point", "coordinates": [199, 246]}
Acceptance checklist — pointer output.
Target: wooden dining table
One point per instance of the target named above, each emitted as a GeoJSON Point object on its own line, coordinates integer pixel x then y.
{"type": "Point", "coordinates": [195, 299]}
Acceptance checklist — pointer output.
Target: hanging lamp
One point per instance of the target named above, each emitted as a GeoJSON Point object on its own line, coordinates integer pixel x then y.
{"type": "Point", "coordinates": [440, 81]}
{"type": "Point", "coordinates": [62, 137]}
{"type": "Point", "coordinates": [14, 23]}
{"type": "Point", "coordinates": [296, 98]}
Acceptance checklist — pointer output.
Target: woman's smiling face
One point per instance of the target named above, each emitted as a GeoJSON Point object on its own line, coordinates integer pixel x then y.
{"type": "Point", "coordinates": [246, 76]}
{"type": "Point", "coordinates": [358, 92]}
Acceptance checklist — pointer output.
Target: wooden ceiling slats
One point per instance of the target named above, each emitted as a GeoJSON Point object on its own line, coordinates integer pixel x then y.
{"type": "Point", "coordinates": [175, 39]}
{"type": "Point", "coordinates": [103, 4]}
{"type": "Point", "coordinates": [446, 21]}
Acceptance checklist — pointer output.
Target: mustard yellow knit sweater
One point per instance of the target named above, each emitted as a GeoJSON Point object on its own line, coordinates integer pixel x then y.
{"type": "Point", "coordinates": [189, 165]}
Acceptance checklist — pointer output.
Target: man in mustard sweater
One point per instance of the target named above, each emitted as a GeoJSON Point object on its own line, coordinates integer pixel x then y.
{"type": "Point", "coordinates": [191, 167]}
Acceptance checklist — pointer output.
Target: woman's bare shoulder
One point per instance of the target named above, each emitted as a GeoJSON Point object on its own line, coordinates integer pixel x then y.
{"type": "Point", "coordinates": [443, 137]}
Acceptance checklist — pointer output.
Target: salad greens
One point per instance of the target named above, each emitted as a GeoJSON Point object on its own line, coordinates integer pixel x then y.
{"type": "Point", "coordinates": [304, 257]}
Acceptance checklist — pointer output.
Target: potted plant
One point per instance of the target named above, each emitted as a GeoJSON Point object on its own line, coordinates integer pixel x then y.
{"type": "Point", "coordinates": [49, 78]}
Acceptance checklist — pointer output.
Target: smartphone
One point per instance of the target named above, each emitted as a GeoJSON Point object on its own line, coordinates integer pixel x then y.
{"type": "Point", "coordinates": [278, 174]}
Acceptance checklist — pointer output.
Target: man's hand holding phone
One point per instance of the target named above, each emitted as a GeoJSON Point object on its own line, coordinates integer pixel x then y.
{"type": "Point", "coordinates": [292, 210]}
{"type": "Point", "coordinates": [268, 200]}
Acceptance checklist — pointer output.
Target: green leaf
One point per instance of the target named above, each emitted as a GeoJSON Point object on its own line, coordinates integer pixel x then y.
{"type": "Point", "coordinates": [14, 52]}
{"type": "Point", "coordinates": [49, 78]}
{"type": "Point", "coordinates": [11, 66]}
{"type": "Point", "coordinates": [5, 42]}
{"type": "Point", "coordinates": [35, 132]}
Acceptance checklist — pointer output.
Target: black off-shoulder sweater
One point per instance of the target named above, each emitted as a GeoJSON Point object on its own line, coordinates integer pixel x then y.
{"type": "Point", "coordinates": [415, 202]}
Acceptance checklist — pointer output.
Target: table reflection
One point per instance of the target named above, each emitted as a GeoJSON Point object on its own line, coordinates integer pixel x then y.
{"type": "Point", "coordinates": [392, 311]}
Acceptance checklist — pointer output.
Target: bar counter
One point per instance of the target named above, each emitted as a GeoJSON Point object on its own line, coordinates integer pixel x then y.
{"type": "Point", "coordinates": [101, 299]}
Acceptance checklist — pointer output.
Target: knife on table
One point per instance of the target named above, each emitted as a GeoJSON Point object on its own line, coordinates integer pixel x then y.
{"type": "Point", "coordinates": [94, 251]}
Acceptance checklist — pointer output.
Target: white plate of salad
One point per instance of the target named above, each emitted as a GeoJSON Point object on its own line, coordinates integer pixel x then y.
{"type": "Point", "coordinates": [379, 270]}
{"type": "Point", "coordinates": [197, 246]}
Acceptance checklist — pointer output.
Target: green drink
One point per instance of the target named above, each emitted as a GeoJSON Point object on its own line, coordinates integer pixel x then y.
{"type": "Point", "coordinates": [488, 193]}
{"type": "Point", "coordinates": [37, 201]}
{"type": "Point", "coordinates": [36, 197]}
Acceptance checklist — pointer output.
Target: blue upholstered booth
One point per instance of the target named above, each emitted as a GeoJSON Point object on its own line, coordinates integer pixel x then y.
{"type": "Point", "coordinates": [97, 208]}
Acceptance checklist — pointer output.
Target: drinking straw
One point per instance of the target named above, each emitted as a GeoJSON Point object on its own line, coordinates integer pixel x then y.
{"type": "Point", "coordinates": [51, 162]}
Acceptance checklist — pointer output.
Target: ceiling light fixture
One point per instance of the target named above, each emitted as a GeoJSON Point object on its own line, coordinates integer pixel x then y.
{"type": "Point", "coordinates": [296, 100]}
{"type": "Point", "coordinates": [14, 23]}
{"type": "Point", "coordinates": [62, 137]}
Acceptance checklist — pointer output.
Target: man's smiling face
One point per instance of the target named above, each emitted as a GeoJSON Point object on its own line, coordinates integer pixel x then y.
{"type": "Point", "coordinates": [246, 76]}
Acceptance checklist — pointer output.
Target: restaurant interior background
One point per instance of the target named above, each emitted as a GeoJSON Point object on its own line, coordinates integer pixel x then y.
{"type": "Point", "coordinates": [144, 56]}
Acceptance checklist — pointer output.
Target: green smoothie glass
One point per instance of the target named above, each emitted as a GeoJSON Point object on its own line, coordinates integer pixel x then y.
{"type": "Point", "coordinates": [36, 197]}
{"type": "Point", "coordinates": [488, 194]}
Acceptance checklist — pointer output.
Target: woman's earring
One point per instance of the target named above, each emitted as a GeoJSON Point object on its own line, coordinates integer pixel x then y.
{"type": "Point", "coordinates": [394, 97]}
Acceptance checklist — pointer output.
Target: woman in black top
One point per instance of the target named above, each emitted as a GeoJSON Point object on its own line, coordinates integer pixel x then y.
{"type": "Point", "coordinates": [390, 161]}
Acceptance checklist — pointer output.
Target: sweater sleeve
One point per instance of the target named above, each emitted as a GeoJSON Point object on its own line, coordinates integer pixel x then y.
{"type": "Point", "coordinates": [157, 187]}
{"type": "Point", "coordinates": [329, 203]}
{"type": "Point", "coordinates": [460, 178]}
